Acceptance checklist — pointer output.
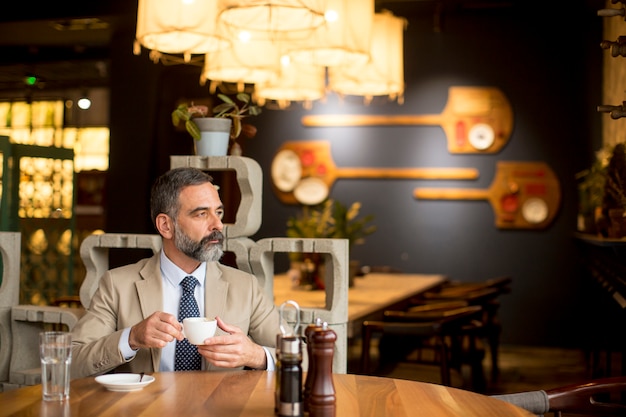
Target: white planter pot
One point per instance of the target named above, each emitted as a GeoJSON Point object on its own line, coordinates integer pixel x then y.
{"type": "Point", "coordinates": [214, 136]}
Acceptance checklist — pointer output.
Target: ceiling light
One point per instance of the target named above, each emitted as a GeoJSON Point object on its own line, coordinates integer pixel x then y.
{"type": "Point", "coordinates": [272, 16]}
{"type": "Point", "coordinates": [335, 45]}
{"type": "Point", "coordinates": [247, 61]}
{"type": "Point", "coordinates": [344, 39]}
{"type": "Point", "coordinates": [296, 83]}
{"type": "Point", "coordinates": [383, 75]}
{"type": "Point", "coordinates": [84, 102]}
{"type": "Point", "coordinates": [177, 27]}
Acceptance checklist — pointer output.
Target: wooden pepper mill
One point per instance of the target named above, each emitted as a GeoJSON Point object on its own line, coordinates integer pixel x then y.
{"type": "Point", "coordinates": [322, 399]}
{"type": "Point", "coordinates": [308, 383]}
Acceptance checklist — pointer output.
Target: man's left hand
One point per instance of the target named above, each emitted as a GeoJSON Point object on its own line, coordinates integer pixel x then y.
{"type": "Point", "coordinates": [233, 350]}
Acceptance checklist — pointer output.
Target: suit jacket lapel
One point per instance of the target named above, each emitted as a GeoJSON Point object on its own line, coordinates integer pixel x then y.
{"type": "Point", "coordinates": [215, 289]}
{"type": "Point", "coordinates": [150, 293]}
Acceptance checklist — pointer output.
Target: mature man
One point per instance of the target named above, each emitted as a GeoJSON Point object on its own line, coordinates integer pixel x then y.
{"type": "Point", "coordinates": [134, 324]}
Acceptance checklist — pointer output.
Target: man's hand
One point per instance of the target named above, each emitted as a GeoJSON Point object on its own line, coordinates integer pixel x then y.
{"type": "Point", "coordinates": [156, 331]}
{"type": "Point", "coordinates": [233, 350]}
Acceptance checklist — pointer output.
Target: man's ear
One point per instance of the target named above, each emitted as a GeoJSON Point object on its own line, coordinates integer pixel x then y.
{"type": "Point", "coordinates": [164, 226]}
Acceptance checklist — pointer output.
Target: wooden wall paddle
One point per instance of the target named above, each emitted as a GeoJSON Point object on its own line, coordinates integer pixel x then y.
{"type": "Point", "coordinates": [524, 195]}
{"type": "Point", "coordinates": [474, 119]}
{"type": "Point", "coordinates": [317, 172]}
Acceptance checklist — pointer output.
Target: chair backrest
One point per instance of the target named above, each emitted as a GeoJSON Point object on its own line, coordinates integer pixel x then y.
{"type": "Point", "coordinates": [94, 251]}
{"type": "Point", "coordinates": [605, 397]}
{"type": "Point", "coordinates": [463, 290]}
{"type": "Point", "coordinates": [599, 397]}
{"type": "Point", "coordinates": [9, 295]}
{"type": "Point", "coordinates": [423, 325]}
{"type": "Point", "coordinates": [444, 317]}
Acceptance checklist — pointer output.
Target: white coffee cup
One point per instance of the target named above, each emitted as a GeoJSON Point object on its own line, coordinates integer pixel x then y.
{"type": "Point", "coordinates": [197, 329]}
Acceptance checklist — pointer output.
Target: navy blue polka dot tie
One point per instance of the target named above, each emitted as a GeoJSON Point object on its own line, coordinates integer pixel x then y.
{"type": "Point", "coordinates": [187, 357]}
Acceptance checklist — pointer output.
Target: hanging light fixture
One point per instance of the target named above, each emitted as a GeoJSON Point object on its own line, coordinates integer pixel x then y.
{"type": "Point", "coordinates": [383, 75]}
{"type": "Point", "coordinates": [249, 60]}
{"type": "Point", "coordinates": [337, 46]}
{"type": "Point", "coordinates": [184, 27]}
{"type": "Point", "coordinates": [344, 39]}
{"type": "Point", "coordinates": [296, 83]}
{"type": "Point", "coordinates": [272, 16]}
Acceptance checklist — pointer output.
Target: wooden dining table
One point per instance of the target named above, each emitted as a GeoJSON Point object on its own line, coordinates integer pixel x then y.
{"type": "Point", "coordinates": [368, 299]}
{"type": "Point", "coordinates": [251, 394]}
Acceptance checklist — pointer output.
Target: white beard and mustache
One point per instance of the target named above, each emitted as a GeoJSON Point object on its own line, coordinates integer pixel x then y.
{"type": "Point", "coordinates": [201, 251]}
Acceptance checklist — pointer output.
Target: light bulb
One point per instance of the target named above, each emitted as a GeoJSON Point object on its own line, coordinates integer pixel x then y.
{"type": "Point", "coordinates": [84, 103]}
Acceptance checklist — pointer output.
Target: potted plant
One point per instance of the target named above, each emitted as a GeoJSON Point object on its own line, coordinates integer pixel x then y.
{"type": "Point", "coordinates": [614, 200]}
{"type": "Point", "coordinates": [591, 185]}
{"type": "Point", "coordinates": [223, 127]}
{"type": "Point", "coordinates": [329, 219]}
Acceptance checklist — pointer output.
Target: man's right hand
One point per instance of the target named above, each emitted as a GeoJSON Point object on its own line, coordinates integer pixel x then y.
{"type": "Point", "coordinates": [157, 330]}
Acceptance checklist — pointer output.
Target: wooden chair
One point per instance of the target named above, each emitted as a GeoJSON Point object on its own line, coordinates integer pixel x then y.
{"type": "Point", "coordinates": [442, 326]}
{"type": "Point", "coordinates": [486, 294]}
{"type": "Point", "coordinates": [599, 397]}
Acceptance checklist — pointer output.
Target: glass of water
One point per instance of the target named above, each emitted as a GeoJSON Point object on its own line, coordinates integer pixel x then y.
{"type": "Point", "coordinates": [55, 351]}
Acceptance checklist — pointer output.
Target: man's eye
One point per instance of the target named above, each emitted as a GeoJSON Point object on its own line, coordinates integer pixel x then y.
{"type": "Point", "coordinates": [220, 214]}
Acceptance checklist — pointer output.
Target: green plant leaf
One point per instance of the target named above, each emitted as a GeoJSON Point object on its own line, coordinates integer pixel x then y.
{"type": "Point", "coordinates": [236, 129]}
{"type": "Point", "coordinates": [331, 219]}
{"type": "Point", "coordinates": [223, 110]}
{"type": "Point", "coordinates": [254, 110]}
{"type": "Point", "coordinates": [227, 99]}
{"type": "Point", "coordinates": [180, 114]}
{"type": "Point", "coordinates": [243, 97]}
{"type": "Point", "coordinates": [193, 129]}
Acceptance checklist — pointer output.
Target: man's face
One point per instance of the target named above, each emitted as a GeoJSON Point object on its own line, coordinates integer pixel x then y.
{"type": "Point", "coordinates": [198, 228]}
{"type": "Point", "coordinates": [208, 249]}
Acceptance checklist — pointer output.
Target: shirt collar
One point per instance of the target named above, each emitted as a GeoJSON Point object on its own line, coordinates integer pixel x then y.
{"type": "Point", "coordinates": [174, 275]}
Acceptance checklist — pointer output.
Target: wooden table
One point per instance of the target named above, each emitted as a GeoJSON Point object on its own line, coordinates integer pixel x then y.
{"type": "Point", "coordinates": [251, 393]}
{"type": "Point", "coordinates": [370, 296]}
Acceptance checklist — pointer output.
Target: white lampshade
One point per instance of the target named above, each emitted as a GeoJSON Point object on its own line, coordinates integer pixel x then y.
{"type": "Point", "coordinates": [247, 61]}
{"type": "Point", "coordinates": [296, 83]}
{"type": "Point", "coordinates": [344, 39]}
{"type": "Point", "coordinates": [179, 26]}
{"type": "Point", "coordinates": [384, 73]}
{"type": "Point", "coordinates": [272, 15]}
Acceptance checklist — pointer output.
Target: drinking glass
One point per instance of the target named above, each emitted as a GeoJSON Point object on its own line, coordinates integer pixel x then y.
{"type": "Point", "coordinates": [55, 351]}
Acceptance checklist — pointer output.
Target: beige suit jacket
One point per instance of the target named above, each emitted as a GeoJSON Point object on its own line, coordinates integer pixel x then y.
{"type": "Point", "coordinates": [131, 293]}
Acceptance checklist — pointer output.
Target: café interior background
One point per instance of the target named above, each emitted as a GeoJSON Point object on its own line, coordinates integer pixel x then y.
{"type": "Point", "coordinates": [546, 59]}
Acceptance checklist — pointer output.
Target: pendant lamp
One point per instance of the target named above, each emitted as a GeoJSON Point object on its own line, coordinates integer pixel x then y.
{"type": "Point", "coordinates": [296, 83]}
{"type": "Point", "coordinates": [344, 39]}
{"type": "Point", "coordinates": [272, 16]}
{"type": "Point", "coordinates": [249, 60]}
{"type": "Point", "coordinates": [383, 75]}
{"type": "Point", "coordinates": [178, 27]}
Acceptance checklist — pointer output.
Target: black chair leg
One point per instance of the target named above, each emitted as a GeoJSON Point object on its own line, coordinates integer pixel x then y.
{"type": "Point", "coordinates": [479, 383]}
{"type": "Point", "coordinates": [444, 362]}
{"type": "Point", "coordinates": [494, 347]}
{"type": "Point", "coordinates": [366, 336]}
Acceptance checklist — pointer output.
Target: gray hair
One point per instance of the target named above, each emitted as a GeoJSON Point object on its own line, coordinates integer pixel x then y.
{"type": "Point", "coordinates": [167, 188]}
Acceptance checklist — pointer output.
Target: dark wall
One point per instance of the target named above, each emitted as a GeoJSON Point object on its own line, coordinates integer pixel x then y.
{"type": "Point", "coordinates": [547, 64]}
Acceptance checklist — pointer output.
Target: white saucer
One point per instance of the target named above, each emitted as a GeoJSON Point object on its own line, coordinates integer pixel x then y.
{"type": "Point", "coordinates": [124, 382]}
